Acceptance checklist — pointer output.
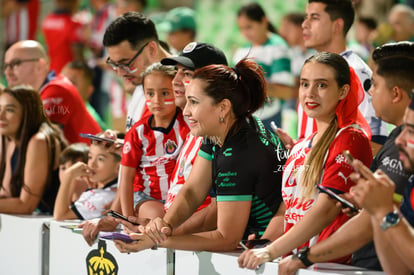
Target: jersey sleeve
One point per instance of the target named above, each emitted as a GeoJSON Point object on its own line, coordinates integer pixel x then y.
{"type": "Point", "coordinates": [206, 150]}
{"type": "Point", "coordinates": [58, 104]}
{"type": "Point", "coordinates": [132, 150]}
{"type": "Point", "coordinates": [337, 168]}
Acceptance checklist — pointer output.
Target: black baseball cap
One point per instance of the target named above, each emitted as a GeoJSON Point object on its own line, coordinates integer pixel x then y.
{"type": "Point", "coordinates": [197, 55]}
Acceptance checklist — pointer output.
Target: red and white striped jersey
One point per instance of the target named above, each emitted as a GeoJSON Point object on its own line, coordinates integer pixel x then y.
{"type": "Point", "coordinates": [22, 23]}
{"type": "Point", "coordinates": [183, 168]}
{"type": "Point", "coordinates": [153, 152]}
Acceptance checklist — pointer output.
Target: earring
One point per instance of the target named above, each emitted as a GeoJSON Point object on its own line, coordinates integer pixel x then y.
{"type": "Point", "coordinates": [222, 119]}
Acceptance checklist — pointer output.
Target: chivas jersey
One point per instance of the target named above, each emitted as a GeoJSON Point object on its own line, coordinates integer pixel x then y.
{"type": "Point", "coordinates": [183, 168]}
{"type": "Point", "coordinates": [153, 152]}
{"type": "Point", "coordinates": [335, 176]}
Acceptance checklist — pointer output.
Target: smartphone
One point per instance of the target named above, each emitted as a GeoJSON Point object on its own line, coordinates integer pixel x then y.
{"type": "Point", "coordinates": [334, 196]}
{"type": "Point", "coordinates": [117, 215]}
{"type": "Point", "coordinates": [98, 138]}
{"type": "Point", "coordinates": [115, 236]}
{"type": "Point", "coordinates": [256, 243]}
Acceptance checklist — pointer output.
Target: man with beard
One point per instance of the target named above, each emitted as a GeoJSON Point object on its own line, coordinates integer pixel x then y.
{"type": "Point", "coordinates": [392, 228]}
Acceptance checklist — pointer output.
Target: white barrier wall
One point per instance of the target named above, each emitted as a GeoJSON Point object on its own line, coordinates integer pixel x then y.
{"type": "Point", "coordinates": [206, 263]}
{"type": "Point", "coordinates": [21, 244]}
{"type": "Point", "coordinates": [70, 254]}
{"type": "Point", "coordinates": [40, 245]}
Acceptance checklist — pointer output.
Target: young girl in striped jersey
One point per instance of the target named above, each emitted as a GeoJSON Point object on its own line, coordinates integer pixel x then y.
{"type": "Point", "coordinates": [151, 147]}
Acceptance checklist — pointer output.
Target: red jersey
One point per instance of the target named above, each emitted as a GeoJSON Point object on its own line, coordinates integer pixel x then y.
{"type": "Point", "coordinates": [335, 176]}
{"type": "Point", "coordinates": [153, 153]}
{"type": "Point", "coordinates": [63, 105]}
{"type": "Point", "coordinates": [22, 23]}
{"type": "Point", "coordinates": [183, 168]}
{"type": "Point", "coordinates": [61, 32]}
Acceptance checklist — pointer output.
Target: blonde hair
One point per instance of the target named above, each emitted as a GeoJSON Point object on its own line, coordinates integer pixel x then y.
{"type": "Point", "coordinates": [315, 160]}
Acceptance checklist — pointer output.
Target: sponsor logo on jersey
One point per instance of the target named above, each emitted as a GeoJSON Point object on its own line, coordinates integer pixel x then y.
{"type": "Point", "coordinates": [99, 261]}
{"type": "Point", "coordinates": [227, 152]}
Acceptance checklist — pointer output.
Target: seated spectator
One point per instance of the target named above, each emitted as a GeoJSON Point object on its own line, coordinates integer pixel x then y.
{"type": "Point", "coordinates": [151, 147]}
{"type": "Point", "coordinates": [81, 77]}
{"type": "Point", "coordinates": [31, 146]}
{"type": "Point", "coordinates": [86, 189]}
{"type": "Point", "coordinates": [330, 93]}
{"type": "Point", "coordinates": [391, 89]}
{"type": "Point", "coordinates": [220, 103]}
{"type": "Point", "coordinates": [26, 63]}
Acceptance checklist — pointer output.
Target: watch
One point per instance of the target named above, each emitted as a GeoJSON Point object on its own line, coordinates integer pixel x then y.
{"type": "Point", "coordinates": [302, 255]}
{"type": "Point", "coordinates": [390, 220]}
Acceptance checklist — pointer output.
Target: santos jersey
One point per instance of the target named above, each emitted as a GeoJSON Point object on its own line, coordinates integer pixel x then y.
{"type": "Point", "coordinates": [335, 176]}
{"type": "Point", "coordinates": [248, 167]}
{"type": "Point", "coordinates": [91, 203]}
{"type": "Point", "coordinates": [153, 153]}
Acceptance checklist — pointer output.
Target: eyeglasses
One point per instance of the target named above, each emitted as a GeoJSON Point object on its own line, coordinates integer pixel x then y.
{"type": "Point", "coordinates": [126, 67]}
{"type": "Point", "coordinates": [17, 62]}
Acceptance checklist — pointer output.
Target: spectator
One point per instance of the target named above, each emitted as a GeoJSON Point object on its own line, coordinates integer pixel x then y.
{"type": "Point", "coordinates": [391, 89]}
{"type": "Point", "coordinates": [81, 77]}
{"type": "Point", "coordinates": [365, 32]}
{"type": "Point", "coordinates": [270, 51]}
{"type": "Point", "coordinates": [72, 154]}
{"type": "Point", "coordinates": [63, 35]}
{"type": "Point", "coordinates": [181, 27]}
{"type": "Point", "coordinates": [195, 55]}
{"type": "Point", "coordinates": [330, 93]}
{"type": "Point", "coordinates": [151, 147]}
{"type": "Point", "coordinates": [324, 29]}
{"type": "Point", "coordinates": [130, 53]}
{"type": "Point", "coordinates": [26, 63]}
{"type": "Point", "coordinates": [221, 101]}
{"type": "Point", "coordinates": [393, 232]}
{"type": "Point", "coordinates": [401, 20]}
{"type": "Point", "coordinates": [30, 153]}
{"type": "Point", "coordinates": [291, 30]}
{"type": "Point", "coordinates": [86, 189]}
{"type": "Point", "coordinates": [21, 20]}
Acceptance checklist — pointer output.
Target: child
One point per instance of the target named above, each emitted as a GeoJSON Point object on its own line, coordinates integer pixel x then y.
{"type": "Point", "coordinates": [86, 189]}
{"type": "Point", "coordinates": [151, 147]}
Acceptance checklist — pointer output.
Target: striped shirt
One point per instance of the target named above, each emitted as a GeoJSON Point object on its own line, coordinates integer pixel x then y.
{"type": "Point", "coordinates": [153, 152]}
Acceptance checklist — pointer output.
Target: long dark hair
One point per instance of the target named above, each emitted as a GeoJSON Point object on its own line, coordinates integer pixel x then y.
{"type": "Point", "coordinates": [33, 121]}
{"type": "Point", "coordinates": [243, 85]}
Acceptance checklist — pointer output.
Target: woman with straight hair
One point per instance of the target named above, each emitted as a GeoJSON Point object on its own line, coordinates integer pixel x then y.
{"type": "Point", "coordinates": [329, 92]}
{"type": "Point", "coordinates": [29, 157]}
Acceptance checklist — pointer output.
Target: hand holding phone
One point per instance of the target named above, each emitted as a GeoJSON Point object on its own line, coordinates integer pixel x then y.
{"type": "Point", "coordinates": [334, 196]}
{"type": "Point", "coordinates": [117, 215]}
{"type": "Point", "coordinates": [115, 236]}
